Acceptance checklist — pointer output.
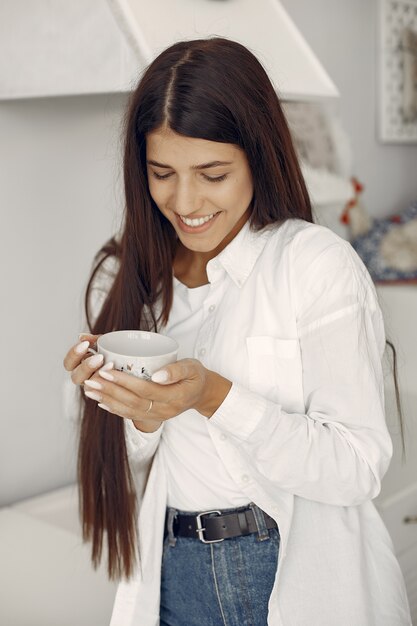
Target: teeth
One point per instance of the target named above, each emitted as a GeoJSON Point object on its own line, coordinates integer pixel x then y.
{"type": "Point", "coordinates": [198, 221]}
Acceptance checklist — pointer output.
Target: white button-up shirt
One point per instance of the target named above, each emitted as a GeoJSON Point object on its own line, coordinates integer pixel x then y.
{"type": "Point", "coordinates": [293, 321]}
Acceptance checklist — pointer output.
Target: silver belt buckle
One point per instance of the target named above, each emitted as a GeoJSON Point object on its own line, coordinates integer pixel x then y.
{"type": "Point", "coordinates": [200, 530]}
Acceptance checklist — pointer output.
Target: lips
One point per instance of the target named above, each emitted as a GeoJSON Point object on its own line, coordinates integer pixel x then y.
{"type": "Point", "coordinates": [197, 221]}
{"type": "Point", "coordinates": [196, 229]}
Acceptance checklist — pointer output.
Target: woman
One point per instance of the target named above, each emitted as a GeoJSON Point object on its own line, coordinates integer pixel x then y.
{"type": "Point", "coordinates": [250, 464]}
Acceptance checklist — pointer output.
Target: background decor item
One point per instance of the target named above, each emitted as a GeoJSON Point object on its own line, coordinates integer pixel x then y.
{"type": "Point", "coordinates": [398, 71]}
{"type": "Point", "coordinates": [409, 53]}
{"type": "Point", "coordinates": [324, 150]}
{"type": "Point", "coordinates": [388, 247]}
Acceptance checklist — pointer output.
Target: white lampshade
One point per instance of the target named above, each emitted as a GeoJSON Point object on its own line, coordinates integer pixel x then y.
{"type": "Point", "coordinates": [262, 25]}
{"type": "Point", "coordinates": [101, 46]}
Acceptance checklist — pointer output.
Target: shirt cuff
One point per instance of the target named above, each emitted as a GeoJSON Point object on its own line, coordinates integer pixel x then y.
{"type": "Point", "coordinates": [137, 439]}
{"type": "Point", "coordinates": [240, 412]}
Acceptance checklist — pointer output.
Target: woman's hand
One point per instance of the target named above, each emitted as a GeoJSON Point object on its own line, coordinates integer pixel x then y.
{"type": "Point", "coordinates": [185, 384]}
{"type": "Point", "coordinates": [81, 363]}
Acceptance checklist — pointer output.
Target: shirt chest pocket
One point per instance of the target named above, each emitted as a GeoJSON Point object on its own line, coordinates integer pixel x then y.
{"type": "Point", "coordinates": [275, 370]}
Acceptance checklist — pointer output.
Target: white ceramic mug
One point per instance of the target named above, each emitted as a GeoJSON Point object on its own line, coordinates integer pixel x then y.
{"type": "Point", "coordinates": [137, 352]}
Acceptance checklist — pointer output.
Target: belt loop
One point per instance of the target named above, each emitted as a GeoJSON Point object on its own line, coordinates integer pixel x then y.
{"type": "Point", "coordinates": [172, 514]}
{"type": "Point", "coordinates": [263, 532]}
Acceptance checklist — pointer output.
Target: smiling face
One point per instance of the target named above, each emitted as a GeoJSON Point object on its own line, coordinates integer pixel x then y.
{"type": "Point", "coordinates": [204, 188]}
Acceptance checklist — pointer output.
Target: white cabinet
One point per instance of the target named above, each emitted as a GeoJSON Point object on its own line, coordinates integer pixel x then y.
{"type": "Point", "coordinates": [41, 552]}
{"type": "Point", "coordinates": [62, 48]}
{"type": "Point", "coordinates": [397, 502]}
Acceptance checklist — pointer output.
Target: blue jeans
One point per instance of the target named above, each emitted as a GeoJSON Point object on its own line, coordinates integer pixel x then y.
{"type": "Point", "coordinates": [219, 584]}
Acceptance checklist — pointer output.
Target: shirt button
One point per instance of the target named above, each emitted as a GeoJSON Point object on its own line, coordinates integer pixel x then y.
{"type": "Point", "coordinates": [211, 308]}
{"type": "Point", "coordinates": [223, 437]}
{"type": "Point", "coordinates": [245, 478]}
{"type": "Point", "coordinates": [202, 352]}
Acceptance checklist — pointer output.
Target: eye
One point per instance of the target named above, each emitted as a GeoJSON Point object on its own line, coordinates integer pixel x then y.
{"type": "Point", "coordinates": [217, 179]}
{"type": "Point", "coordinates": [160, 176]}
{"type": "Point", "coordinates": [212, 179]}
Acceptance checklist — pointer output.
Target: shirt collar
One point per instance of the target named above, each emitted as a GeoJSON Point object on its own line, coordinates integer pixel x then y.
{"type": "Point", "coordinates": [240, 255]}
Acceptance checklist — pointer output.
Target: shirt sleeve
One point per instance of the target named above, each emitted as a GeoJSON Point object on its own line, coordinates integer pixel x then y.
{"type": "Point", "coordinates": [338, 450]}
{"type": "Point", "coordinates": [140, 444]}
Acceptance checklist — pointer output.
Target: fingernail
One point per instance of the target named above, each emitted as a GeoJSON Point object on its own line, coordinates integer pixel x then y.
{"type": "Point", "coordinates": [95, 360]}
{"type": "Point", "coordinates": [93, 395]}
{"type": "Point", "coordinates": [103, 406]}
{"type": "Point", "coordinates": [108, 366]}
{"type": "Point", "coordinates": [105, 375]}
{"type": "Point", "coordinates": [160, 377]}
{"type": "Point", "coordinates": [84, 335]}
{"type": "Point", "coordinates": [82, 347]}
{"type": "Point", "coordinates": [93, 383]}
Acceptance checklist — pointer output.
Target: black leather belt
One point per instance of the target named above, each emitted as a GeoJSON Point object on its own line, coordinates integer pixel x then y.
{"type": "Point", "coordinates": [213, 526]}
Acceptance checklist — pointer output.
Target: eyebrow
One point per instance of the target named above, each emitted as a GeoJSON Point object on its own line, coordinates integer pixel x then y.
{"type": "Point", "coordinates": [202, 166]}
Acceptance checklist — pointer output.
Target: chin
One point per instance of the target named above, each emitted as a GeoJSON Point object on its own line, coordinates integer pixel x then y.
{"type": "Point", "coordinates": [199, 246]}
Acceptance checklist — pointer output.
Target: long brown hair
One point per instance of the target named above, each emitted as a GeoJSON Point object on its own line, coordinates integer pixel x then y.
{"type": "Point", "coordinates": [212, 89]}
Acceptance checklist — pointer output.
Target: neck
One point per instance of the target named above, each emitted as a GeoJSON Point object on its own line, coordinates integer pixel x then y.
{"type": "Point", "coordinates": [190, 265]}
{"type": "Point", "coordinates": [200, 259]}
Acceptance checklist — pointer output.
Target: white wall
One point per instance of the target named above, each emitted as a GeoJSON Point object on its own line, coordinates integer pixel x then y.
{"type": "Point", "coordinates": [343, 35]}
{"type": "Point", "coordinates": [59, 201]}
{"type": "Point", "coordinates": [399, 307]}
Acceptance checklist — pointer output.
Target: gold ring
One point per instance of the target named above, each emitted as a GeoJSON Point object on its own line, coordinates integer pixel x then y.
{"type": "Point", "coordinates": [149, 407]}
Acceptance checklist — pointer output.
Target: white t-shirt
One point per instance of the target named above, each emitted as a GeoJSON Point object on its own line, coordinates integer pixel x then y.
{"type": "Point", "coordinates": [197, 478]}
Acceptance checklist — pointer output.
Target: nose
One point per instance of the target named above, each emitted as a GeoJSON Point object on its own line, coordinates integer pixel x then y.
{"type": "Point", "coordinates": [186, 199]}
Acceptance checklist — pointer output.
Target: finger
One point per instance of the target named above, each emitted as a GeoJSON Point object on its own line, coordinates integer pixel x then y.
{"type": "Point", "coordinates": [88, 367]}
{"type": "Point", "coordinates": [138, 386]}
{"type": "Point", "coordinates": [88, 336]}
{"type": "Point", "coordinates": [117, 399]}
{"type": "Point", "coordinates": [76, 353]}
{"type": "Point", "coordinates": [175, 372]}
